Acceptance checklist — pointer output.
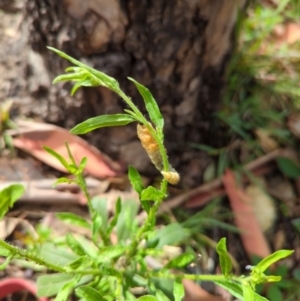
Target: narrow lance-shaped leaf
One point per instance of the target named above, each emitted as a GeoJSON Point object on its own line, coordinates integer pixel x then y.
{"type": "Point", "coordinates": [181, 261]}
{"type": "Point", "coordinates": [75, 245]}
{"type": "Point", "coordinates": [66, 290]}
{"type": "Point", "coordinates": [135, 179]}
{"type": "Point", "coordinates": [116, 215]}
{"type": "Point", "coordinates": [269, 260]}
{"type": "Point", "coordinates": [49, 285]}
{"type": "Point", "coordinates": [73, 219]}
{"type": "Point", "coordinates": [108, 81]}
{"type": "Point", "coordinates": [56, 155]}
{"type": "Point", "coordinates": [248, 292]}
{"type": "Point", "coordinates": [147, 298]}
{"type": "Point", "coordinates": [87, 293]}
{"type": "Point", "coordinates": [161, 296]}
{"type": "Point", "coordinates": [151, 105]}
{"type": "Point", "coordinates": [137, 184]}
{"type": "Point", "coordinates": [178, 290]}
{"type": "Point", "coordinates": [236, 290]}
{"type": "Point", "coordinates": [102, 121]}
{"type": "Point", "coordinates": [225, 261]}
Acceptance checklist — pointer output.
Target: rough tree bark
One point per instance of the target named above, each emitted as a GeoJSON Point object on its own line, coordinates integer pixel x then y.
{"type": "Point", "coordinates": [179, 49]}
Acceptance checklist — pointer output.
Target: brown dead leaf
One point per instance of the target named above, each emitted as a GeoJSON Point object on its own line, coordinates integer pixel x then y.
{"type": "Point", "coordinates": [193, 292]}
{"type": "Point", "coordinates": [252, 236]}
{"type": "Point", "coordinates": [32, 136]}
{"type": "Point", "coordinates": [263, 206]}
{"type": "Point", "coordinates": [287, 33]}
{"type": "Point", "coordinates": [8, 225]}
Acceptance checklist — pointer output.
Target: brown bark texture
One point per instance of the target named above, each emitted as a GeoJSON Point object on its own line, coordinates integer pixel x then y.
{"type": "Point", "coordinates": [178, 49]}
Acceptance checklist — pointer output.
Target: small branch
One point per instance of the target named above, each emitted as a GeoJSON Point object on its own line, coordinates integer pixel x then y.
{"type": "Point", "coordinates": [30, 256]}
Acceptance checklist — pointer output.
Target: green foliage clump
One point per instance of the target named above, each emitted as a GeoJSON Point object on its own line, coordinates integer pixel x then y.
{"type": "Point", "coordinates": [101, 270]}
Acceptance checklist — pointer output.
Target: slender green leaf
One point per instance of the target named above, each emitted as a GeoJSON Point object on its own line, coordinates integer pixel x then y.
{"type": "Point", "coordinates": [100, 207]}
{"type": "Point", "coordinates": [56, 155]}
{"type": "Point", "coordinates": [87, 246]}
{"type": "Point", "coordinates": [135, 179]}
{"type": "Point", "coordinates": [248, 292]}
{"type": "Point", "coordinates": [127, 220]}
{"type": "Point", "coordinates": [288, 167]}
{"type": "Point", "coordinates": [137, 184]}
{"type": "Point", "coordinates": [100, 122]}
{"type": "Point", "coordinates": [139, 280]}
{"type": "Point", "coordinates": [87, 293]}
{"type": "Point", "coordinates": [106, 80]}
{"type": "Point", "coordinates": [172, 234]}
{"type": "Point", "coordinates": [4, 252]}
{"type": "Point", "coordinates": [82, 164]}
{"type": "Point", "coordinates": [225, 261]}
{"type": "Point", "coordinates": [97, 225]}
{"type": "Point", "coordinates": [178, 290]}
{"type": "Point", "coordinates": [73, 219]}
{"type": "Point", "coordinates": [90, 82]}
{"type": "Point", "coordinates": [63, 180]}
{"type": "Point", "coordinates": [67, 77]}
{"type": "Point", "coordinates": [181, 261]}
{"type": "Point", "coordinates": [7, 261]}
{"type": "Point", "coordinates": [50, 285]}
{"type": "Point", "coordinates": [272, 278]}
{"type": "Point", "coordinates": [151, 194]}
{"type": "Point", "coordinates": [147, 298]}
{"type": "Point", "coordinates": [75, 246]}
{"type": "Point", "coordinates": [8, 196]}
{"type": "Point", "coordinates": [151, 105]}
{"type": "Point", "coordinates": [115, 219]}
{"type": "Point", "coordinates": [59, 255]}
{"type": "Point", "coordinates": [111, 252]}
{"type": "Point", "coordinates": [129, 296]}
{"type": "Point", "coordinates": [71, 157]}
{"type": "Point", "coordinates": [134, 115]}
{"type": "Point", "coordinates": [152, 243]}
{"type": "Point", "coordinates": [161, 296]}
{"type": "Point", "coordinates": [67, 289]}
{"type": "Point", "coordinates": [236, 290]}
{"type": "Point", "coordinates": [269, 260]}
{"type": "Point", "coordinates": [81, 262]}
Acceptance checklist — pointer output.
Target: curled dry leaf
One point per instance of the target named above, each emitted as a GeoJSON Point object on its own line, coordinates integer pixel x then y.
{"type": "Point", "coordinates": [252, 235]}
{"type": "Point", "coordinates": [32, 136]}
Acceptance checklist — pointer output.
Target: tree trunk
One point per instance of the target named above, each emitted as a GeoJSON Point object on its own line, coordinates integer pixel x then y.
{"type": "Point", "coordinates": [178, 49]}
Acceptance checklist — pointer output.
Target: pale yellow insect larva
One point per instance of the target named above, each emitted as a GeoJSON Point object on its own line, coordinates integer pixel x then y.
{"type": "Point", "coordinates": [150, 145]}
{"type": "Point", "coordinates": [172, 177]}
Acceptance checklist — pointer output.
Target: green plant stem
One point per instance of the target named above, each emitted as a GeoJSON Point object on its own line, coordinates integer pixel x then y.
{"type": "Point", "coordinates": [30, 256]}
{"type": "Point", "coordinates": [218, 278]}
{"type": "Point", "coordinates": [134, 108]}
{"type": "Point", "coordinates": [82, 184]}
{"type": "Point", "coordinates": [148, 224]}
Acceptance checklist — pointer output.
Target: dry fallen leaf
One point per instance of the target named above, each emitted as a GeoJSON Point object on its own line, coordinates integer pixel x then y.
{"type": "Point", "coordinates": [32, 136]}
{"type": "Point", "coordinates": [252, 236]}
{"type": "Point", "coordinates": [263, 206]}
{"type": "Point", "coordinates": [287, 33]}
